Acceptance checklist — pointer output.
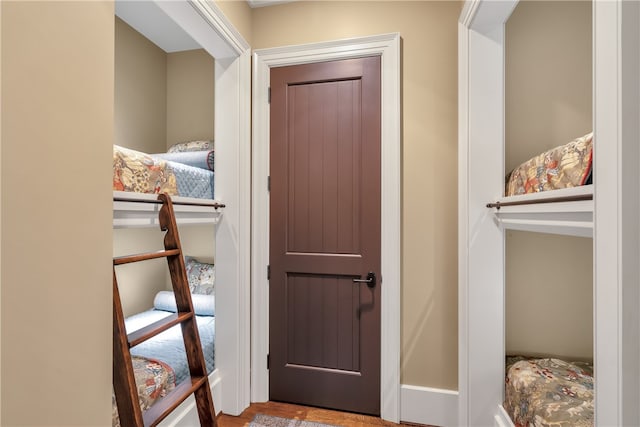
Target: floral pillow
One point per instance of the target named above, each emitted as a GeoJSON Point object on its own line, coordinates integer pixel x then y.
{"type": "Point", "coordinates": [201, 276]}
{"type": "Point", "coordinates": [181, 147]}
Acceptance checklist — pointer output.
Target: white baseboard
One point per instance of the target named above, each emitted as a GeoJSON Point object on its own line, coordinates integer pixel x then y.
{"type": "Point", "coordinates": [186, 414]}
{"type": "Point", "coordinates": [425, 405]}
{"type": "Point", "coordinates": [502, 419]}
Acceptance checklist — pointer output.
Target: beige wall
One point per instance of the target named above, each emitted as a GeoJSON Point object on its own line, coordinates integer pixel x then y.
{"type": "Point", "coordinates": [190, 96]}
{"type": "Point", "coordinates": [549, 295]}
{"type": "Point", "coordinates": [160, 99]}
{"type": "Point", "coordinates": [140, 91]}
{"type": "Point", "coordinates": [429, 157]}
{"type": "Point", "coordinates": [548, 77]}
{"type": "Point", "coordinates": [239, 13]}
{"type": "Point", "coordinates": [73, 43]}
{"type": "Point", "coordinates": [548, 103]}
{"type": "Point", "coordinates": [57, 132]}
{"type": "Point", "coordinates": [0, 208]}
{"type": "Point", "coordinates": [138, 283]}
{"type": "Point", "coordinates": [140, 108]}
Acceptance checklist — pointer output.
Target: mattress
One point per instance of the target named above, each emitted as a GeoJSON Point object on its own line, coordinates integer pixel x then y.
{"type": "Point", "coordinates": [168, 347]}
{"type": "Point", "coordinates": [139, 172]}
{"type": "Point", "coordinates": [566, 166]}
{"type": "Point", "coordinates": [549, 392]}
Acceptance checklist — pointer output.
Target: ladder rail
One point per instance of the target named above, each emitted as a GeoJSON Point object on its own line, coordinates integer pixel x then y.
{"type": "Point", "coordinates": [182, 294]}
{"type": "Point", "coordinates": [124, 380]}
{"type": "Point", "coordinates": [125, 388]}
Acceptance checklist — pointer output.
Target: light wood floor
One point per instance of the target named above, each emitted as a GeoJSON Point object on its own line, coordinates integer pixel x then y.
{"type": "Point", "coordinates": [287, 410]}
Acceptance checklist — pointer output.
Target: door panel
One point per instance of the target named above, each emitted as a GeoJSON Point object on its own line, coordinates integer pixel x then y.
{"type": "Point", "coordinates": [325, 232]}
{"type": "Point", "coordinates": [333, 341]}
{"type": "Point", "coordinates": [323, 203]}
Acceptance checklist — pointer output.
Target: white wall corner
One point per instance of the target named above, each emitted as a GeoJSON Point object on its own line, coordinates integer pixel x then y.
{"type": "Point", "coordinates": [430, 406]}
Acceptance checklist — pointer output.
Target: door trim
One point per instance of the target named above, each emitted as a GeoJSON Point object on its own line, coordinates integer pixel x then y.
{"type": "Point", "coordinates": [388, 47]}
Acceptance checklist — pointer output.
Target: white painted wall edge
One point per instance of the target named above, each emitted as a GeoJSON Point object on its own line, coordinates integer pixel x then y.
{"type": "Point", "coordinates": [426, 405]}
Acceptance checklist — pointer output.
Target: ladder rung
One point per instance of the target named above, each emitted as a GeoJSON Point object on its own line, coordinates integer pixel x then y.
{"type": "Point", "coordinates": [150, 331]}
{"type": "Point", "coordinates": [172, 400]}
{"type": "Point", "coordinates": [143, 257]}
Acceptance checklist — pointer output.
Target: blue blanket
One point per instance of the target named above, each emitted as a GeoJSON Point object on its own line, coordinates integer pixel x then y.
{"type": "Point", "coordinates": [192, 182]}
{"type": "Point", "coordinates": [168, 346]}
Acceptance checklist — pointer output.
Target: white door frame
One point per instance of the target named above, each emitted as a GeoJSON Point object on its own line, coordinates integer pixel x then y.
{"type": "Point", "coordinates": [388, 47]}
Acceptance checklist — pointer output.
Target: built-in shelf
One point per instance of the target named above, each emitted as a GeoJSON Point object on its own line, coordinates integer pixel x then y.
{"type": "Point", "coordinates": [567, 211]}
{"type": "Point", "coordinates": [137, 210]}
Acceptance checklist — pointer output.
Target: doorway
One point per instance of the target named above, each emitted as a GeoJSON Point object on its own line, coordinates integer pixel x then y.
{"type": "Point", "coordinates": [324, 299]}
{"type": "Point", "coordinates": [387, 46]}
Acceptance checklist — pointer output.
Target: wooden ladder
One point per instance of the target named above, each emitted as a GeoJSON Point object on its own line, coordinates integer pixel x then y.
{"type": "Point", "coordinates": [124, 384]}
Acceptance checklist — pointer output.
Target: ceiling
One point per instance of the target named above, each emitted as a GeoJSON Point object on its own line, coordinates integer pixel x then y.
{"type": "Point", "coordinates": [149, 20]}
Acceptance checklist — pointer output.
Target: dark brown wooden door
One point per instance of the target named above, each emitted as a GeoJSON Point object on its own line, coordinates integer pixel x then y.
{"type": "Point", "coordinates": [324, 233]}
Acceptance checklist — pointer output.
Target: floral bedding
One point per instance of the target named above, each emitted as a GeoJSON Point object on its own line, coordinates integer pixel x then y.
{"type": "Point", "coordinates": [154, 380]}
{"type": "Point", "coordinates": [140, 173]}
{"type": "Point", "coordinates": [565, 166]}
{"type": "Point", "coordinates": [549, 392]}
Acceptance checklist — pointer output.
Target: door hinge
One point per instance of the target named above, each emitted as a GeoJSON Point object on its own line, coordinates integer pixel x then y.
{"type": "Point", "coordinates": [269, 183]}
{"type": "Point", "coordinates": [269, 95]}
{"type": "Point", "coordinates": [268, 361]}
{"type": "Point", "coordinates": [268, 272]}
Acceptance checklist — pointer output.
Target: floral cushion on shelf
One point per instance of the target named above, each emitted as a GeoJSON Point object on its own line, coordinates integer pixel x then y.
{"type": "Point", "coordinates": [140, 173]}
{"type": "Point", "coordinates": [201, 276]}
{"type": "Point", "coordinates": [154, 380]}
{"type": "Point", "coordinates": [565, 166]}
{"type": "Point", "coordinates": [180, 147]}
{"type": "Point", "coordinates": [549, 392]}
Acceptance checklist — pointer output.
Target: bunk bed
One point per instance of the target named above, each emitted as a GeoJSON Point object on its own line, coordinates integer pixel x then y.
{"type": "Point", "coordinates": [174, 341]}
{"type": "Point", "coordinates": [551, 192]}
{"type": "Point", "coordinates": [160, 364]}
{"type": "Point", "coordinates": [188, 176]}
{"type": "Point", "coordinates": [485, 213]}
{"type": "Point", "coordinates": [186, 172]}
{"type": "Point", "coordinates": [549, 391]}
{"type": "Point", "coordinates": [176, 26]}
{"type": "Point", "coordinates": [566, 166]}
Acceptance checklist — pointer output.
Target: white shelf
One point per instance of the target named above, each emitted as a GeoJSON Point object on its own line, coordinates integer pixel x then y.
{"type": "Point", "coordinates": [542, 214]}
{"type": "Point", "coordinates": [134, 210]}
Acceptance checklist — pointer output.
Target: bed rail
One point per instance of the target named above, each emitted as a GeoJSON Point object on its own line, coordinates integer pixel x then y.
{"type": "Point", "coordinates": [575, 198]}
{"type": "Point", "coordinates": [131, 210]}
{"type": "Point", "coordinates": [215, 205]}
